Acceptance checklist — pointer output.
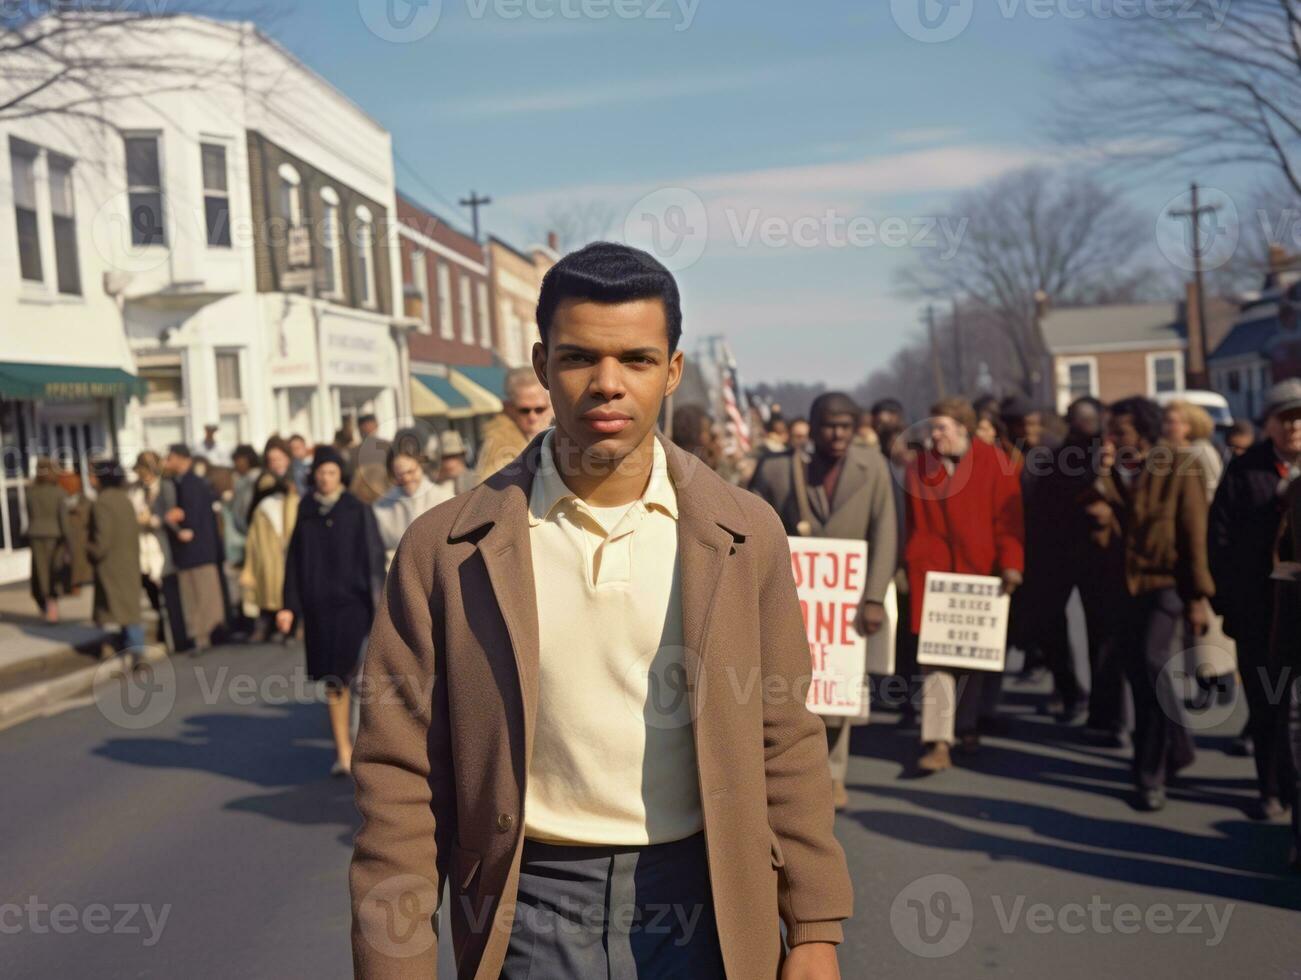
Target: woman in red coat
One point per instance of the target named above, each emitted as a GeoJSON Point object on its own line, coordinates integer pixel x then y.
{"type": "Point", "coordinates": [964, 515]}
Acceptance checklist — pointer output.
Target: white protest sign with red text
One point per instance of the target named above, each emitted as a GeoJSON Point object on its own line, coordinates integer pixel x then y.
{"type": "Point", "coordinates": [829, 575]}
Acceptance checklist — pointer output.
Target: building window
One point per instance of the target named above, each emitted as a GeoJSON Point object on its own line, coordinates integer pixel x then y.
{"type": "Point", "coordinates": [63, 218]}
{"type": "Point", "coordinates": [163, 411]}
{"type": "Point", "coordinates": [1079, 379]}
{"type": "Point", "coordinates": [1233, 380]}
{"type": "Point", "coordinates": [216, 194]}
{"type": "Point", "coordinates": [364, 256]}
{"type": "Point", "coordinates": [291, 195]}
{"type": "Point", "coordinates": [22, 160]}
{"type": "Point", "coordinates": [1163, 373]}
{"type": "Point", "coordinates": [467, 309]}
{"type": "Point", "coordinates": [144, 179]}
{"type": "Point", "coordinates": [331, 273]}
{"type": "Point", "coordinates": [485, 321]}
{"type": "Point", "coordinates": [229, 386]}
{"type": "Point", "coordinates": [420, 281]}
{"type": "Point", "coordinates": [445, 329]}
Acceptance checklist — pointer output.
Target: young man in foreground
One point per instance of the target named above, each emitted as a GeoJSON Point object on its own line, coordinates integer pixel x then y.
{"type": "Point", "coordinates": [585, 706]}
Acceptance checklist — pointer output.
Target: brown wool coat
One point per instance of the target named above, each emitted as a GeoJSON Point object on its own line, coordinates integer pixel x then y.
{"type": "Point", "coordinates": [449, 705]}
{"type": "Point", "coordinates": [1158, 526]}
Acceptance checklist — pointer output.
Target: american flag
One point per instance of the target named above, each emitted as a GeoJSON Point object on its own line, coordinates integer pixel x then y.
{"type": "Point", "coordinates": [738, 426]}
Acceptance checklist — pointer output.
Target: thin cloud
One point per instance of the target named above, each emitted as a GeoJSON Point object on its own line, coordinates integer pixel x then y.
{"type": "Point", "coordinates": [933, 134]}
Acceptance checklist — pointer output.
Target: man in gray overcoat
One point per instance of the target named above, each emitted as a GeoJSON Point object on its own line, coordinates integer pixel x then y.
{"type": "Point", "coordinates": [847, 493]}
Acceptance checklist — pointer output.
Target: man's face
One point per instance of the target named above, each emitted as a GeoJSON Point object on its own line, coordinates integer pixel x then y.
{"type": "Point", "coordinates": [406, 474]}
{"type": "Point", "coordinates": [242, 464]}
{"type": "Point", "coordinates": [608, 368]}
{"type": "Point", "coordinates": [832, 435]}
{"type": "Point", "coordinates": [1084, 420]}
{"type": "Point", "coordinates": [530, 409]}
{"type": "Point", "coordinates": [299, 448]}
{"type": "Point", "coordinates": [1027, 432]}
{"type": "Point", "coordinates": [1122, 434]}
{"type": "Point", "coordinates": [949, 436]}
{"type": "Point", "coordinates": [368, 428]}
{"type": "Point", "coordinates": [277, 462]}
{"type": "Point", "coordinates": [799, 434]}
{"type": "Point", "coordinates": [175, 465]}
{"type": "Point", "coordinates": [1238, 443]}
{"type": "Point", "coordinates": [329, 478]}
{"type": "Point", "coordinates": [453, 466]}
{"type": "Point", "coordinates": [210, 434]}
{"type": "Point", "coordinates": [1284, 430]}
{"type": "Point", "coordinates": [886, 420]}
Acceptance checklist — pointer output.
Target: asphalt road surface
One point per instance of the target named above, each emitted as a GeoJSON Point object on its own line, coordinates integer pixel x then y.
{"type": "Point", "coordinates": [198, 835]}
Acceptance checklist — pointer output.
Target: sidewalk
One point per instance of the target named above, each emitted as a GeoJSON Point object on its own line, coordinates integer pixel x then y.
{"type": "Point", "coordinates": [43, 663]}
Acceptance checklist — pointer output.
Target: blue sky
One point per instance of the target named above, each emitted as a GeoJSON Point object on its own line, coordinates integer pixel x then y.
{"type": "Point", "coordinates": [746, 112]}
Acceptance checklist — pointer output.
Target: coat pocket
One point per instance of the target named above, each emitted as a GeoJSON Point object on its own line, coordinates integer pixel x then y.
{"type": "Point", "coordinates": [778, 860]}
{"type": "Point", "coordinates": [465, 865]}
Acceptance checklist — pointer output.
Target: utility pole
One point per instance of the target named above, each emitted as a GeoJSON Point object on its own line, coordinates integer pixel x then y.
{"type": "Point", "coordinates": [1198, 378]}
{"type": "Point", "coordinates": [474, 202]}
{"type": "Point", "coordinates": [936, 367]}
{"type": "Point", "coordinates": [960, 377]}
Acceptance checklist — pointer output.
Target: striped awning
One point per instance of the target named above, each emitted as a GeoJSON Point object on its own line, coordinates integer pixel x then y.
{"type": "Point", "coordinates": [449, 394]}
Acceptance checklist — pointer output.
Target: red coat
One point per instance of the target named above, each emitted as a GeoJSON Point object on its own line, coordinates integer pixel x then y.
{"type": "Point", "coordinates": [970, 522]}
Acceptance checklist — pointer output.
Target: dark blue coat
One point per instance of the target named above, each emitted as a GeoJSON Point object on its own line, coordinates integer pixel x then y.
{"type": "Point", "coordinates": [194, 496]}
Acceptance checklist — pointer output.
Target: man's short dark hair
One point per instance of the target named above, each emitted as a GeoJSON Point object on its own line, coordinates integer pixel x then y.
{"type": "Point", "coordinates": [1090, 401]}
{"type": "Point", "coordinates": [365, 420]}
{"type": "Point", "coordinates": [834, 403]}
{"type": "Point", "coordinates": [245, 452]}
{"type": "Point", "coordinates": [888, 405]}
{"type": "Point", "coordinates": [1144, 413]}
{"type": "Point", "coordinates": [1241, 427]}
{"type": "Point", "coordinates": [179, 449]}
{"type": "Point", "coordinates": [607, 272]}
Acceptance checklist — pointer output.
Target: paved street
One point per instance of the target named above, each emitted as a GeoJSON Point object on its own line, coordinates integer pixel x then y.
{"type": "Point", "coordinates": [220, 818]}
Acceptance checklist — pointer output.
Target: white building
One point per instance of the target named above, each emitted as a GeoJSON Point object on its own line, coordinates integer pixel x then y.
{"type": "Point", "coordinates": [211, 245]}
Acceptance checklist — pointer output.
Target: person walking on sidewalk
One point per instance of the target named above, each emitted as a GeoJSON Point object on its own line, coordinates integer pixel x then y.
{"type": "Point", "coordinates": [558, 733]}
{"type": "Point", "coordinates": [153, 498]}
{"type": "Point", "coordinates": [1150, 514]}
{"type": "Point", "coordinates": [334, 574]}
{"type": "Point", "coordinates": [965, 516]}
{"type": "Point", "coordinates": [412, 493]}
{"type": "Point", "coordinates": [113, 544]}
{"type": "Point", "coordinates": [844, 491]}
{"type": "Point", "coordinates": [46, 536]}
{"type": "Point", "coordinates": [196, 550]}
{"type": "Point", "coordinates": [273, 514]}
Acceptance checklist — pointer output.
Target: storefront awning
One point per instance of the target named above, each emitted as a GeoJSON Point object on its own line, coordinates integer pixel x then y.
{"type": "Point", "coordinates": [63, 382]}
{"type": "Point", "coordinates": [489, 377]}
{"type": "Point", "coordinates": [451, 395]}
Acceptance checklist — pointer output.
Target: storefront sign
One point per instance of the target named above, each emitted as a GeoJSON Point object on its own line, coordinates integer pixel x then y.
{"type": "Point", "coordinates": [355, 355]}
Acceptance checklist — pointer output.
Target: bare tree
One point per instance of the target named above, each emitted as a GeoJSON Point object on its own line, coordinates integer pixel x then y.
{"type": "Point", "coordinates": [70, 60]}
{"type": "Point", "coordinates": [1200, 83]}
{"type": "Point", "coordinates": [1032, 234]}
{"type": "Point", "coordinates": [575, 223]}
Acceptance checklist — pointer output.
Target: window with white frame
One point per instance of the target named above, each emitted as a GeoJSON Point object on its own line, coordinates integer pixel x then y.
{"type": "Point", "coordinates": [144, 177]}
{"type": "Point", "coordinates": [291, 195]}
{"type": "Point", "coordinates": [445, 328]}
{"type": "Point", "coordinates": [467, 309]}
{"type": "Point", "coordinates": [485, 321]}
{"type": "Point", "coordinates": [331, 267]}
{"type": "Point", "coordinates": [1164, 373]}
{"type": "Point", "coordinates": [163, 410]}
{"type": "Point", "coordinates": [216, 194]}
{"type": "Point", "coordinates": [363, 254]}
{"type": "Point", "coordinates": [22, 162]}
{"type": "Point", "coordinates": [1080, 380]}
{"type": "Point", "coordinates": [420, 281]}
{"type": "Point", "coordinates": [230, 396]}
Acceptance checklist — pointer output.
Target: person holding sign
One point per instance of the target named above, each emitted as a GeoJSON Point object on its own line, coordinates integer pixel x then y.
{"type": "Point", "coordinates": [1150, 514]}
{"type": "Point", "coordinates": [598, 670]}
{"type": "Point", "coordinates": [965, 516]}
{"type": "Point", "coordinates": [844, 491]}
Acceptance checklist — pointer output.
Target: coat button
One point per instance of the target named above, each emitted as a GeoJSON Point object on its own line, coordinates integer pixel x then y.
{"type": "Point", "coordinates": [329, 522]}
{"type": "Point", "coordinates": [505, 822]}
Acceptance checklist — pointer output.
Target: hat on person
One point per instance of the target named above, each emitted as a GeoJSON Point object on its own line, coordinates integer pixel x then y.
{"type": "Point", "coordinates": [451, 443]}
{"type": "Point", "coordinates": [1283, 397]}
{"type": "Point", "coordinates": [328, 454]}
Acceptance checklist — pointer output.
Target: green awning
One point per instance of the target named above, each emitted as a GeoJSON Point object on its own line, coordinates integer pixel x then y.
{"type": "Point", "coordinates": [488, 376]}
{"type": "Point", "coordinates": [65, 382]}
{"type": "Point", "coordinates": [457, 404]}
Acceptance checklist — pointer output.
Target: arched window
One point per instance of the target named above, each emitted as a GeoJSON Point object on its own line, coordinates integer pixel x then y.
{"type": "Point", "coordinates": [291, 195]}
{"type": "Point", "coordinates": [363, 252]}
{"type": "Point", "coordinates": [331, 269]}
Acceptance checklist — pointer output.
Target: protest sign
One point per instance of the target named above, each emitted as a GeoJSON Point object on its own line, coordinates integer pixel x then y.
{"type": "Point", "coordinates": [964, 622]}
{"type": "Point", "coordinates": [829, 576]}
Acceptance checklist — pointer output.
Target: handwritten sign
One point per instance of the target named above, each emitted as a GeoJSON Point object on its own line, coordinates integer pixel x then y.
{"type": "Point", "coordinates": [829, 576]}
{"type": "Point", "coordinates": [964, 622]}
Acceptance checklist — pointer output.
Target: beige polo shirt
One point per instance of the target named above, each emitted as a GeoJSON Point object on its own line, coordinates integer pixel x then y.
{"type": "Point", "coordinates": [614, 757]}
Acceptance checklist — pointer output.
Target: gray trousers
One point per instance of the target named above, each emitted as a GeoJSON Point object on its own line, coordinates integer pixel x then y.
{"type": "Point", "coordinates": [614, 913]}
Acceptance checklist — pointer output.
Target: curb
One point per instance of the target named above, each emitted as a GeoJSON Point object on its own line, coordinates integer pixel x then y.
{"type": "Point", "coordinates": [33, 700]}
